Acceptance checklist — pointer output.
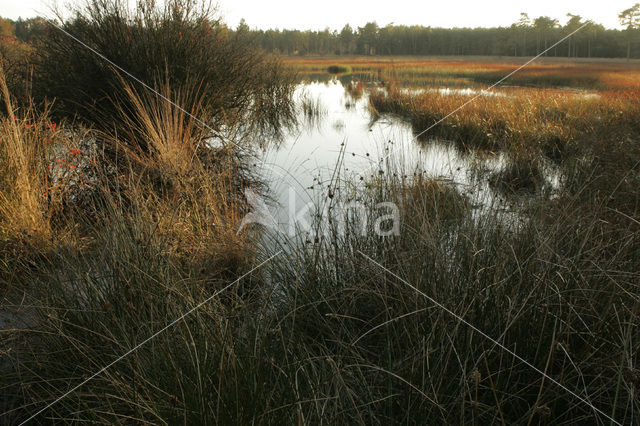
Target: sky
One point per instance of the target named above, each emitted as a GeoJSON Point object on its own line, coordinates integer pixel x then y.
{"type": "Point", "coordinates": [334, 14]}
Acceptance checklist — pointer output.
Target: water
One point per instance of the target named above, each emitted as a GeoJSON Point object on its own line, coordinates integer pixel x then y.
{"type": "Point", "coordinates": [342, 137]}
{"type": "Point", "coordinates": [467, 91]}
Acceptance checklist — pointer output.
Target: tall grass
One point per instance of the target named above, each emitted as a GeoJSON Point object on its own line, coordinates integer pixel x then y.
{"type": "Point", "coordinates": [191, 191]}
{"type": "Point", "coordinates": [160, 231]}
{"type": "Point", "coordinates": [344, 341]}
{"type": "Point", "coordinates": [372, 350]}
{"type": "Point", "coordinates": [82, 309]}
{"type": "Point", "coordinates": [40, 162]}
{"type": "Point", "coordinates": [23, 174]}
{"type": "Point", "coordinates": [556, 123]}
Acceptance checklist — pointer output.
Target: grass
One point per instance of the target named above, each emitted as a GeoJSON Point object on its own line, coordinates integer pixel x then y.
{"type": "Point", "coordinates": [556, 118]}
{"type": "Point", "coordinates": [312, 107]}
{"type": "Point", "coordinates": [157, 232]}
{"type": "Point", "coordinates": [520, 175]}
{"type": "Point", "coordinates": [193, 194]}
{"type": "Point", "coordinates": [356, 89]}
{"type": "Point", "coordinates": [126, 242]}
{"type": "Point", "coordinates": [481, 72]}
{"type": "Point", "coordinates": [334, 336]}
{"type": "Point", "coordinates": [376, 351]}
{"type": "Point", "coordinates": [553, 122]}
{"type": "Point", "coordinates": [36, 177]}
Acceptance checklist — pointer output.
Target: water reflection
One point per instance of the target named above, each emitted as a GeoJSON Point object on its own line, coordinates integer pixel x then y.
{"type": "Point", "coordinates": [337, 135]}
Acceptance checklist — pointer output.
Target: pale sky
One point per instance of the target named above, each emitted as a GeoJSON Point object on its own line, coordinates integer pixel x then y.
{"type": "Point", "coordinates": [335, 13]}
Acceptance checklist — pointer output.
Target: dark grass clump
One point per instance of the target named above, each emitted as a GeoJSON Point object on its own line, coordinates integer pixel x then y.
{"type": "Point", "coordinates": [339, 69]}
{"type": "Point", "coordinates": [430, 201]}
{"type": "Point", "coordinates": [520, 175]}
{"type": "Point", "coordinates": [607, 173]}
{"type": "Point", "coordinates": [84, 309]}
{"type": "Point", "coordinates": [377, 350]}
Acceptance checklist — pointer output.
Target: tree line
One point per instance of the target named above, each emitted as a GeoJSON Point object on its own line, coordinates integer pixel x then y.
{"type": "Point", "coordinates": [526, 37]}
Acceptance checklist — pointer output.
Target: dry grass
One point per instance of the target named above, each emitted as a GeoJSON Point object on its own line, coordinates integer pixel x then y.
{"type": "Point", "coordinates": [553, 122]}
{"type": "Point", "coordinates": [40, 162]}
{"type": "Point", "coordinates": [356, 89]}
{"type": "Point", "coordinates": [478, 72]}
{"type": "Point", "coordinates": [160, 230]}
{"type": "Point", "coordinates": [56, 182]}
{"type": "Point", "coordinates": [190, 190]}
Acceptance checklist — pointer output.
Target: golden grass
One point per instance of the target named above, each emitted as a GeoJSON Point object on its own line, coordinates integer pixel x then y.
{"type": "Point", "coordinates": [170, 189]}
{"type": "Point", "coordinates": [191, 193]}
{"type": "Point", "coordinates": [39, 162]}
{"type": "Point", "coordinates": [522, 120]}
{"type": "Point", "coordinates": [169, 135]}
{"type": "Point", "coordinates": [596, 74]}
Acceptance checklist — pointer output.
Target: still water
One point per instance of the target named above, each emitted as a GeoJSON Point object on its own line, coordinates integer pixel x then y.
{"type": "Point", "coordinates": [343, 137]}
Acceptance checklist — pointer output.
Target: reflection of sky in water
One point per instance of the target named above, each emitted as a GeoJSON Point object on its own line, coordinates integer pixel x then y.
{"type": "Point", "coordinates": [305, 161]}
{"type": "Point", "coordinates": [454, 91]}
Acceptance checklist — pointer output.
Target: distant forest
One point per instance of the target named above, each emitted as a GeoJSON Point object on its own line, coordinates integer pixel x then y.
{"type": "Point", "coordinates": [527, 37]}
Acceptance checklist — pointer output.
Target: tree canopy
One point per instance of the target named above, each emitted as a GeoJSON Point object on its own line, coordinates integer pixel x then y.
{"type": "Point", "coordinates": [526, 37]}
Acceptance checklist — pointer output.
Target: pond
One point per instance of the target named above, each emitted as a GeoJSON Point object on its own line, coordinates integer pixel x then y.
{"type": "Point", "coordinates": [338, 134]}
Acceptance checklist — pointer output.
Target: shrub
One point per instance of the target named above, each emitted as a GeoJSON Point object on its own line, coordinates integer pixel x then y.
{"type": "Point", "coordinates": [15, 59]}
{"type": "Point", "coordinates": [182, 44]}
